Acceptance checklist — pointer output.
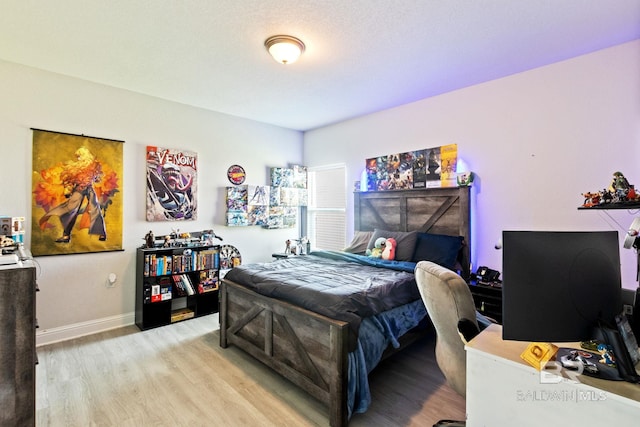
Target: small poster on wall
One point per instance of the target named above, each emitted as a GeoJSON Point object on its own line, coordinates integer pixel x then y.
{"type": "Point", "coordinates": [172, 184]}
{"type": "Point", "coordinates": [258, 204]}
{"type": "Point", "coordinates": [237, 206]}
{"type": "Point", "coordinates": [448, 164]}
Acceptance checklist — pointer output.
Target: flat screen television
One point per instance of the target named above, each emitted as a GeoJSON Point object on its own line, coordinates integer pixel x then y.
{"type": "Point", "coordinates": [559, 285]}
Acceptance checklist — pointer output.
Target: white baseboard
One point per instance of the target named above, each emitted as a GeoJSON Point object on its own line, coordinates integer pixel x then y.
{"type": "Point", "coordinates": [63, 333]}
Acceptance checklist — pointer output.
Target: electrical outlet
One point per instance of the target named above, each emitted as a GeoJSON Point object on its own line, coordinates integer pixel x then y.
{"type": "Point", "coordinates": [628, 310]}
{"type": "Point", "coordinates": [111, 280]}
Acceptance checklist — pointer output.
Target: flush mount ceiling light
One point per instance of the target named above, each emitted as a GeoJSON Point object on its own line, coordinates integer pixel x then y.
{"type": "Point", "coordinates": [284, 49]}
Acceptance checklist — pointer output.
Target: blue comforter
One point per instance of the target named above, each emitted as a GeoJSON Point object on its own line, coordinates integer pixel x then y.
{"type": "Point", "coordinates": [376, 334]}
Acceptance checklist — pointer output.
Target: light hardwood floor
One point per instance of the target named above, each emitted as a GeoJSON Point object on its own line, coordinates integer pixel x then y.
{"type": "Point", "coordinates": [177, 375]}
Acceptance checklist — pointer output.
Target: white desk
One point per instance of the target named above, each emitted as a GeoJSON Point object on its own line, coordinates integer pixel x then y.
{"type": "Point", "coordinates": [504, 390]}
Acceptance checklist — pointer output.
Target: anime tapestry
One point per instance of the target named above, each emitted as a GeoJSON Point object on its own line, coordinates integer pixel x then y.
{"type": "Point", "coordinates": [172, 185]}
{"type": "Point", "coordinates": [77, 194]}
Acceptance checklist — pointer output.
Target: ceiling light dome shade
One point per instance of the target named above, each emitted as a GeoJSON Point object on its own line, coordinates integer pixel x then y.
{"type": "Point", "coordinates": [284, 49]}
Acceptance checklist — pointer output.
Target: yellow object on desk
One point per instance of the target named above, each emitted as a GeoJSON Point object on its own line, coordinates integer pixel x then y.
{"type": "Point", "coordinates": [537, 354]}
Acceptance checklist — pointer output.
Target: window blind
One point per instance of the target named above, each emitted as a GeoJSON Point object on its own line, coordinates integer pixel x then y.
{"type": "Point", "coordinates": [326, 212]}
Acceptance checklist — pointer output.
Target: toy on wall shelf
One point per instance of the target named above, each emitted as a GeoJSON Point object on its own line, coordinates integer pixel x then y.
{"type": "Point", "coordinates": [465, 179]}
{"type": "Point", "coordinates": [620, 193]}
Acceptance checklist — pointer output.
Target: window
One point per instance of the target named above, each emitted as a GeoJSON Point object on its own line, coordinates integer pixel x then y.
{"type": "Point", "coordinates": [326, 213]}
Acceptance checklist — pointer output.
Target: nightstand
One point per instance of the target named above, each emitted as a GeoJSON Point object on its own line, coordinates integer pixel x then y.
{"type": "Point", "coordinates": [487, 299]}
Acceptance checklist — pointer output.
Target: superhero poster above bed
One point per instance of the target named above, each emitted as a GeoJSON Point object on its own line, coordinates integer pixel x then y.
{"type": "Point", "coordinates": [427, 168]}
{"type": "Point", "coordinates": [172, 184]}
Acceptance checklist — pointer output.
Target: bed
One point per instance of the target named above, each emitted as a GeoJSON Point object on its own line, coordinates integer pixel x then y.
{"type": "Point", "coordinates": [328, 348]}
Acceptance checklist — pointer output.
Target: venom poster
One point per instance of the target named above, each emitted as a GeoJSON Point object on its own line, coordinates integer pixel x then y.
{"type": "Point", "coordinates": [172, 184]}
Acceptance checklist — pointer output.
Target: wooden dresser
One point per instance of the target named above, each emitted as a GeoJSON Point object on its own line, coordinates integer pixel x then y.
{"type": "Point", "coordinates": [17, 344]}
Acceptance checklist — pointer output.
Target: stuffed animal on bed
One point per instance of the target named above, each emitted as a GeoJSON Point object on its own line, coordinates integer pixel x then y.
{"type": "Point", "coordinates": [378, 247]}
{"type": "Point", "coordinates": [389, 251]}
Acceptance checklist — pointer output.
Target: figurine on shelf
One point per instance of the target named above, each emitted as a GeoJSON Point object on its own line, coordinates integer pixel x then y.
{"type": "Point", "coordinates": [167, 241]}
{"type": "Point", "coordinates": [619, 193]}
{"type": "Point", "coordinates": [591, 199]}
{"type": "Point", "coordinates": [287, 249]}
{"type": "Point", "coordinates": [465, 179]}
{"type": "Point", "coordinates": [619, 182]}
{"type": "Point", "coordinates": [149, 239]}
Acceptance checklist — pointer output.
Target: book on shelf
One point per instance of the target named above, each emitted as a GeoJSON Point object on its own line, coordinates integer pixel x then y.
{"type": "Point", "coordinates": [208, 259]}
{"type": "Point", "coordinates": [168, 265]}
{"type": "Point", "coordinates": [208, 281]}
{"type": "Point", "coordinates": [187, 284]}
{"type": "Point", "coordinates": [193, 260]}
{"type": "Point", "coordinates": [147, 264]}
{"type": "Point", "coordinates": [182, 314]}
{"type": "Point", "coordinates": [183, 284]}
{"type": "Point", "coordinates": [160, 291]}
{"type": "Point", "coordinates": [165, 289]}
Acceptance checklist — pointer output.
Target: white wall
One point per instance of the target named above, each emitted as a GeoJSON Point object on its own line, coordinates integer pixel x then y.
{"type": "Point", "coordinates": [74, 298]}
{"type": "Point", "coordinates": [536, 141]}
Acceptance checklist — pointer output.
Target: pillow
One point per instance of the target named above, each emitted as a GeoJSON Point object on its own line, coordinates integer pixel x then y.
{"type": "Point", "coordinates": [405, 242]}
{"type": "Point", "coordinates": [438, 248]}
{"type": "Point", "coordinates": [359, 243]}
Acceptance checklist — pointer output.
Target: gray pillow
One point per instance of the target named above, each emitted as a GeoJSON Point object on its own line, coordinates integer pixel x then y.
{"type": "Point", "coordinates": [406, 242]}
{"type": "Point", "coordinates": [359, 242]}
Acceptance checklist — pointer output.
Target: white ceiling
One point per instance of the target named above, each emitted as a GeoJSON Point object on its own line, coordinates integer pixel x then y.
{"type": "Point", "coordinates": [362, 55]}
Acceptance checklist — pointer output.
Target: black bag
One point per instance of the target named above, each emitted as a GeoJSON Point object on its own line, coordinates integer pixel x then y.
{"type": "Point", "coordinates": [624, 364]}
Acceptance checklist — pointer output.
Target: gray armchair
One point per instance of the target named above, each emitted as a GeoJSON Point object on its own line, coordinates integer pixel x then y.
{"type": "Point", "coordinates": [448, 301]}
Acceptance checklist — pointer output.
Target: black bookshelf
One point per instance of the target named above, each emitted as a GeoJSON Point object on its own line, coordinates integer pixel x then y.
{"type": "Point", "coordinates": [175, 284]}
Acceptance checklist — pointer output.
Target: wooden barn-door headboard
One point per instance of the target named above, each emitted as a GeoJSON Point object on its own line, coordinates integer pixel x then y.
{"type": "Point", "coordinates": [432, 210]}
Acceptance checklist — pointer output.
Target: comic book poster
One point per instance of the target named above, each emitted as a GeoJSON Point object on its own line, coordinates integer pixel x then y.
{"type": "Point", "coordinates": [303, 197]}
{"type": "Point", "coordinates": [172, 184]}
{"type": "Point", "coordinates": [237, 206]}
{"type": "Point", "coordinates": [258, 204]}
{"type": "Point", "coordinates": [288, 196]}
{"type": "Point", "coordinates": [289, 217]}
{"type": "Point", "coordinates": [281, 177]}
{"type": "Point", "coordinates": [448, 164]}
{"type": "Point", "coordinates": [299, 177]}
{"type": "Point", "coordinates": [419, 169]}
{"type": "Point", "coordinates": [433, 167]}
{"type": "Point", "coordinates": [382, 175]}
{"type": "Point", "coordinates": [258, 215]}
{"type": "Point", "coordinates": [392, 173]}
{"type": "Point", "coordinates": [276, 217]}
{"type": "Point", "coordinates": [258, 195]}
{"type": "Point", "coordinates": [274, 196]}
{"type": "Point", "coordinates": [404, 174]}
{"type": "Point", "coordinates": [77, 194]}
{"type": "Point", "coordinates": [371, 168]}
